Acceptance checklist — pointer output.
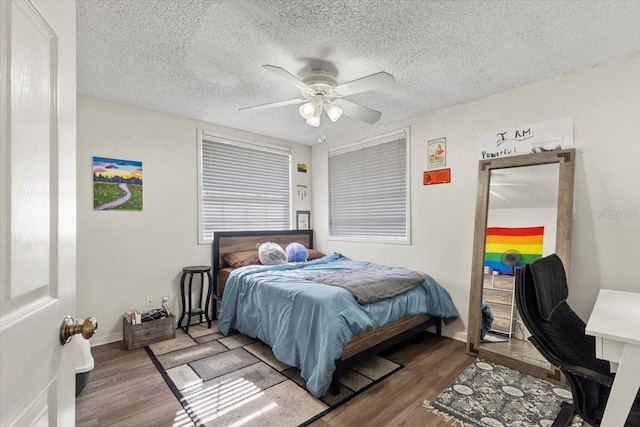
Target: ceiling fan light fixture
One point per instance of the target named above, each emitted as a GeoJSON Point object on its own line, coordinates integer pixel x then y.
{"type": "Point", "coordinates": [314, 121]}
{"type": "Point", "coordinates": [333, 111]}
{"type": "Point", "coordinates": [307, 110]}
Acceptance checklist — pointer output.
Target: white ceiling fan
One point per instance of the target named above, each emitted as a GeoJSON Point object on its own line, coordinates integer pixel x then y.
{"type": "Point", "coordinates": [321, 92]}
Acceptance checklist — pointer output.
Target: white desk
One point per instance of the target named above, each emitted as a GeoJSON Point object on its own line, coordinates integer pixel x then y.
{"type": "Point", "coordinates": [615, 323]}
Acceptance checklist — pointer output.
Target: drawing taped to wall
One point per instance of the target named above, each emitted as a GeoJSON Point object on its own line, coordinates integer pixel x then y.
{"type": "Point", "coordinates": [437, 153]}
{"type": "Point", "coordinates": [551, 135]}
{"type": "Point", "coordinates": [117, 184]}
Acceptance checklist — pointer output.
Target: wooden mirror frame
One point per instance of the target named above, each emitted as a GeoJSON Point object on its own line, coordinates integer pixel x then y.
{"type": "Point", "coordinates": [566, 161]}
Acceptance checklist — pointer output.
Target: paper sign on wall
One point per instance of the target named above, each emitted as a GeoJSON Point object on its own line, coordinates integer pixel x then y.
{"type": "Point", "coordinates": [440, 176]}
{"type": "Point", "coordinates": [550, 135]}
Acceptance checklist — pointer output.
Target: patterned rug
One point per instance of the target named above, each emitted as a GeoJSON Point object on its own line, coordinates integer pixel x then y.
{"type": "Point", "coordinates": [491, 395]}
{"type": "Point", "coordinates": [236, 380]}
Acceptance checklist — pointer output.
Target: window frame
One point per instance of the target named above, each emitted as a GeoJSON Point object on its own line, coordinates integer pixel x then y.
{"type": "Point", "coordinates": [361, 144]}
{"type": "Point", "coordinates": [201, 134]}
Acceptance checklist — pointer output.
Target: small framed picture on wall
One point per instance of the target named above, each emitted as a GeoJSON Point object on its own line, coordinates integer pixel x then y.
{"type": "Point", "coordinates": [303, 220]}
{"type": "Point", "coordinates": [437, 153]}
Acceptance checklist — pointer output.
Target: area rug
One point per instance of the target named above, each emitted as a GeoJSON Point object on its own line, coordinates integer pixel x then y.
{"type": "Point", "coordinates": [236, 380]}
{"type": "Point", "coordinates": [490, 395]}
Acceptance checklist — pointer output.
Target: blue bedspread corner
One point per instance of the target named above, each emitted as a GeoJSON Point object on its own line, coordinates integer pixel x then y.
{"type": "Point", "coordinates": [439, 302]}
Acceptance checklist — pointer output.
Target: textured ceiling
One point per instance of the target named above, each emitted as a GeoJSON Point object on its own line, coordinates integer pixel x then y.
{"type": "Point", "coordinates": [525, 187]}
{"type": "Point", "coordinates": [202, 59]}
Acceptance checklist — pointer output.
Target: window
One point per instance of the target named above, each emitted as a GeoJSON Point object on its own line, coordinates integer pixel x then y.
{"type": "Point", "coordinates": [368, 190]}
{"type": "Point", "coordinates": [243, 186]}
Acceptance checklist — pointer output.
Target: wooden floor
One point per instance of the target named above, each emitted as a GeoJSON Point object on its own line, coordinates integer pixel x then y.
{"type": "Point", "coordinates": [125, 389]}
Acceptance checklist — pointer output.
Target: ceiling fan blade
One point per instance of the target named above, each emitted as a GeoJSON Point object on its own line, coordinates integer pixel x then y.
{"type": "Point", "coordinates": [376, 81]}
{"type": "Point", "coordinates": [357, 111]}
{"type": "Point", "coordinates": [275, 104]}
{"type": "Point", "coordinates": [282, 73]}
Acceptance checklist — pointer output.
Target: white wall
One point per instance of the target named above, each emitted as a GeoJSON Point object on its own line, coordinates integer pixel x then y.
{"type": "Point", "coordinates": [532, 217]}
{"type": "Point", "coordinates": [605, 104]}
{"type": "Point", "coordinates": [125, 256]}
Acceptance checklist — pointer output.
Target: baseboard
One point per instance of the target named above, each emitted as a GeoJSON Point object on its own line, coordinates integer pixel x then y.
{"type": "Point", "coordinates": [105, 339]}
{"type": "Point", "coordinates": [456, 335]}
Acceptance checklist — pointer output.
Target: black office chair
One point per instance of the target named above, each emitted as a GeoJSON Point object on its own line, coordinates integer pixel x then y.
{"type": "Point", "coordinates": [559, 334]}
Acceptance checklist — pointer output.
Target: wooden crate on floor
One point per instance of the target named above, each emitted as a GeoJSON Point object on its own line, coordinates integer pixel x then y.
{"type": "Point", "coordinates": [145, 333]}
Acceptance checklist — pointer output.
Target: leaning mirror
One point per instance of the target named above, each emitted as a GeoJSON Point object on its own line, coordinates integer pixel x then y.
{"type": "Point", "coordinates": [523, 212]}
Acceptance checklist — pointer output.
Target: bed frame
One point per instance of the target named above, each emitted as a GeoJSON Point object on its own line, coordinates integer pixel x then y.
{"type": "Point", "coordinates": [364, 345]}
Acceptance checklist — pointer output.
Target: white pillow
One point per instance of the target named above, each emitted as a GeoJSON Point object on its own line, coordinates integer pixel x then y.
{"type": "Point", "coordinates": [272, 254]}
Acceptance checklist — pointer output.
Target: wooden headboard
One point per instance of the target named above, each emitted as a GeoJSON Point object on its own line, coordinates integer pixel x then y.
{"type": "Point", "coordinates": [225, 242]}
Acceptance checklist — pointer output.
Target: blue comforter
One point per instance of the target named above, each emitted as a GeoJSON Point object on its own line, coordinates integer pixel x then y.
{"type": "Point", "coordinates": [307, 324]}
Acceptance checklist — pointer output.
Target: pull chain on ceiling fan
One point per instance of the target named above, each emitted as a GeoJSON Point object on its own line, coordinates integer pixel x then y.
{"type": "Point", "coordinates": [322, 94]}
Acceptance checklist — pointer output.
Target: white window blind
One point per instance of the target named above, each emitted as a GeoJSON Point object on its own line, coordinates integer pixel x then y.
{"type": "Point", "coordinates": [243, 187]}
{"type": "Point", "coordinates": [368, 189]}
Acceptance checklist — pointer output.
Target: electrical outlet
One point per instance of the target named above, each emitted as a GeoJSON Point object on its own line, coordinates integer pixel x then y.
{"type": "Point", "coordinates": [149, 300]}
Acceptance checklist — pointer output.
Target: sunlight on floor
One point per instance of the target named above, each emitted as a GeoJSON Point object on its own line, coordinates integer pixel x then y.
{"type": "Point", "coordinates": [182, 419]}
{"type": "Point", "coordinates": [212, 402]}
{"type": "Point", "coordinates": [256, 414]}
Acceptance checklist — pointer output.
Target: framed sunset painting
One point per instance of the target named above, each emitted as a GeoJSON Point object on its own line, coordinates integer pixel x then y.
{"type": "Point", "coordinates": [117, 184]}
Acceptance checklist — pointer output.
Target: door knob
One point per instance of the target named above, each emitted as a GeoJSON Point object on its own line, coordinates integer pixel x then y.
{"type": "Point", "coordinates": [69, 328]}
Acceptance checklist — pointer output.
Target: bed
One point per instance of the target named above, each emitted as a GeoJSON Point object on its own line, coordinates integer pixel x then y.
{"type": "Point", "coordinates": [318, 328]}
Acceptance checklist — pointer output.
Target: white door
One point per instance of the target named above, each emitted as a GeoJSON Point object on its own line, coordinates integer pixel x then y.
{"type": "Point", "coordinates": [37, 211]}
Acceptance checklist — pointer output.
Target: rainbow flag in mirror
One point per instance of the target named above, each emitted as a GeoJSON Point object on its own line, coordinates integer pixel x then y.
{"type": "Point", "coordinates": [510, 247]}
